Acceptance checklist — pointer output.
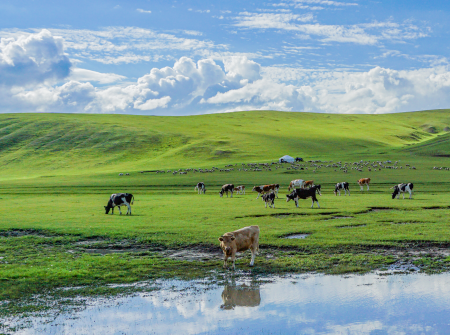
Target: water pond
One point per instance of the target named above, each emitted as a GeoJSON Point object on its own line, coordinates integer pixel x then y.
{"type": "Point", "coordinates": [300, 304]}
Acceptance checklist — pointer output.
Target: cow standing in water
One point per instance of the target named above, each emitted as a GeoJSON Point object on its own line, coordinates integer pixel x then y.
{"type": "Point", "coordinates": [364, 181]}
{"type": "Point", "coordinates": [119, 199]}
{"type": "Point", "coordinates": [402, 188]}
{"type": "Point", "coordinates": [201, 188]}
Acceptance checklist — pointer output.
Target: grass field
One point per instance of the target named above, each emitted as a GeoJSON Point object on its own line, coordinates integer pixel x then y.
{"type": "Point", "coordinates": [59, 170]}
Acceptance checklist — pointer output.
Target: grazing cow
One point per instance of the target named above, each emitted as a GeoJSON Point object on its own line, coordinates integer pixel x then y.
{"type": "Point", "coordinates": [226, 188]}
{"type": "Point", "coordinates": [240, 189]}
{"type": "Point", "coordinates": [266, 188]}
{"type": "Point", "coordinates": [119, 199]}
{"type": "Point", "coordinates": [269, 198]}
{"type": "Point", "coordinates": [297, 183]}
{"type": "Point", "coordinates": [341, 186]}
{"type": "Point", "coordinates": [308, 183]}
{"type": "Point", "coordinates": [120, 174]}
{"type": "Point", "coordinates": [364, 181]}
{"type": "Point", "coordinates": [301, 193]}
{"type": "Point", "coordinates": [239, 240]}
{"type": "Point", "coordinates": [402, 188]}
{"type": "Point", "coordinates": [298, 159]}
{"type": "Point", "coordinates": [241, 295]}
{"type": "Point", "coordinates": [200, 188]}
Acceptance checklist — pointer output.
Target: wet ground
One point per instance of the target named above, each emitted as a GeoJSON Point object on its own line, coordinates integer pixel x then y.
{"type": "Point", "coordinates": [376, 303]}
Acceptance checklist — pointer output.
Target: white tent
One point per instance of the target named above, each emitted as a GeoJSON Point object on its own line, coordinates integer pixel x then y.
{"type": "Point", "coordinates": [287, 158]}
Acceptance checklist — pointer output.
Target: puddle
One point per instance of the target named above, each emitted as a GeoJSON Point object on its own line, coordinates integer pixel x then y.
{"type": "Point", "coordinates": [300, 304]}
{"type": "Point", "coordinates": [300, 236]}
{"type": "Point", "coordinates": [352, 226]}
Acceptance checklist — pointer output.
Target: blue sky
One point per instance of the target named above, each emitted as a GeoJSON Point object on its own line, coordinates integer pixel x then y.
{"type": "Point", "coordinates": [195, 57]}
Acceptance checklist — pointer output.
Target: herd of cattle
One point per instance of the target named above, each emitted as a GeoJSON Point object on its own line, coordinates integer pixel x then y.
{"type": "Point", "coordinates": [248, 237]}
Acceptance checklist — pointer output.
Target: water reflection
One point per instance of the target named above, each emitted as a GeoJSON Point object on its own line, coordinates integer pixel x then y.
{"type": "Point", "coordinates": [411, 304]}
{"type": "Point", "coordinates": [241, 295]}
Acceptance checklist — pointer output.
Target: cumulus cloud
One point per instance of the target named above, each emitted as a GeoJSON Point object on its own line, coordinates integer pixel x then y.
{"type": "Point", "coordinates": [33, 59]}
{"type": "Point", "coordinates": [84, 75]}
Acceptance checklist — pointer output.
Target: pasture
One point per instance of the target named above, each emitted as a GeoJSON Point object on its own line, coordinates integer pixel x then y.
{"type": "Point", "coordinates": [54, 233]}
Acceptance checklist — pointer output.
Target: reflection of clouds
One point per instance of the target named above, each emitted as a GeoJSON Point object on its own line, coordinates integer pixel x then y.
{"type": "Point", "coordinates": [300, 304]}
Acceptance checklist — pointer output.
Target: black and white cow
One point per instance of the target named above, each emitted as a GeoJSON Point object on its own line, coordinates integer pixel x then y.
{"type": "Point", "coordinates": [200, 188]}
{"type": "Point", "coordinates": [226, 188]}
{"type": "Point", "coordinates": [301, 193]}
{"type": "Point", "coordinates": [119, 199]}
{"type": "Point", "coordinates": [402, 188]}
{"type": "Point", "coordinates": [341, 186]}
{"type": "Point", "coordinates": [269, 198]}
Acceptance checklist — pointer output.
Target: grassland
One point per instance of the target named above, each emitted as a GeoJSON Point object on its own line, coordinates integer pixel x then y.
{"type": "Point", "coordinates": [59, 170]}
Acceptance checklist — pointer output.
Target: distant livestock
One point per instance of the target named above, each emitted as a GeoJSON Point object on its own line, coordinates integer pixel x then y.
{"type": "Point", "coordinates": [200, 188]}
{"type": "Point", "coordinates": [308, 183]}
{"type": "Point", "coordinates": [240, 189]}
{"type": "Point", "coordinates": [301, 193]}
{"type": "Point", "coordinates": [402, 188]}
{"type": "Point", "coordinates": [239, 240]}
{"type": "Point", "coordinates": [297, 183]}
{"type": "Point", "coordinates": [263, 189]}
{"type": "Point", "coordinates": [342, 186]}
{"type": "Point", "coordinates": [364, 181]}
{"type": "Point", "coordinates": [119, 199]}
{"type": "Point", "coordinates": [269, 199]}
{"type": "Point", "coordinates": [225, 189]}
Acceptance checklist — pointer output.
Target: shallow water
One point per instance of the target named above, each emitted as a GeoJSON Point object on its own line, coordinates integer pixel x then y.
{"type": "Point", "coordinates": [300, 304]}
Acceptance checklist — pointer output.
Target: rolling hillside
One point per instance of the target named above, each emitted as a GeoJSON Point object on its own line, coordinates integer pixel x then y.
{"type": "Point", "coordinates": [67, 144]}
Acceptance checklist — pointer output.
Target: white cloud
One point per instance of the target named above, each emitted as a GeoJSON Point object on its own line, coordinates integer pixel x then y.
{"type": "Point", "coordinates": [365, 34]}
{"type": "Point", "coordinates": [84, 75]}
{"type": "Point", "coordinates": [32, 59]}
{"type": "Point", "coordinates": [144, 11]}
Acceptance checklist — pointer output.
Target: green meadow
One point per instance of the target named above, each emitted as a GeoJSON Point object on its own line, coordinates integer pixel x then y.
{"type": "Point", "coordinates": [58, 171]}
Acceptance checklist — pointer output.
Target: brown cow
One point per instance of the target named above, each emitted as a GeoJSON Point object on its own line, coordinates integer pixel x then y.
{"type": "Point", "coordinates": [239, 240]}
{"type": "Point", "coordinates": [266, 188]}
{"type": "Point", "coordinates": [308, 183]}
{"type": "Point", "coordinates": [364, 181]}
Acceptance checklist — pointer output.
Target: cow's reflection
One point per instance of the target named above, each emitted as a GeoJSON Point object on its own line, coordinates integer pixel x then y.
{"type": "Point", "coordinates": [240, 295]}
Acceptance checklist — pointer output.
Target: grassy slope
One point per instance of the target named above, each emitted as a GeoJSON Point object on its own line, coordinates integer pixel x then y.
{"type": "Point", "coordinates": [64, 144]}
{"type": "Point", "coordinates": [81, 155]}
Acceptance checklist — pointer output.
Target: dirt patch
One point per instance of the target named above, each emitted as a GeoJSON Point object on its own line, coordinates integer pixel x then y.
{"type": "Point", "coordinates": [296, 236]}
{"type": "Point", "coordinates": [194, 254]}
{"type": "Point", "coordinates": [378, 209]}
{"type": "Point", "coordinates": [24, 232]}
{"type": "Point", "coordinates": [352, 226]}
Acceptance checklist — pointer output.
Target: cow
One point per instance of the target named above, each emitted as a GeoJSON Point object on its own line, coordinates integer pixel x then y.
{"type": "Point", "coordinates": [239, 240]}
{"type": "Point", "coordinates": [225, 189]}
{"type": "Point", "coordinates": [266, 188]}
{"type": "Point", "coordinates": [241, 295]}
{"type": "Point", "coordinates": [308, 183]}
{"type": "Point", "coordinates": [402, 188]}
{"type": "Point", "coordinates": [119, 199]}
{"type": "Point", "coordinates": [200, 188]}
{"type": "Point", "coordinates": [297, 183]}
{"type": "Point", "coordinates": [301, 193]}
{"type": "Point", "coordinates": [364, 181]}
{"type": "Point", "coordinates": [240, 189]}
{"type": "Point", "coordinates": [269, 198]}
{"type": "Point", "coordinates": [341, 186]}
{"type": "Point", "coordinates": [120, 174]}
{"type": "Point", "coordinates": [298, 159]}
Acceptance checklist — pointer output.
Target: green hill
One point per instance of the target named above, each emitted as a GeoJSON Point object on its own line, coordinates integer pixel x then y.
{"type": "Point", "coordinates": [66, 144]}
